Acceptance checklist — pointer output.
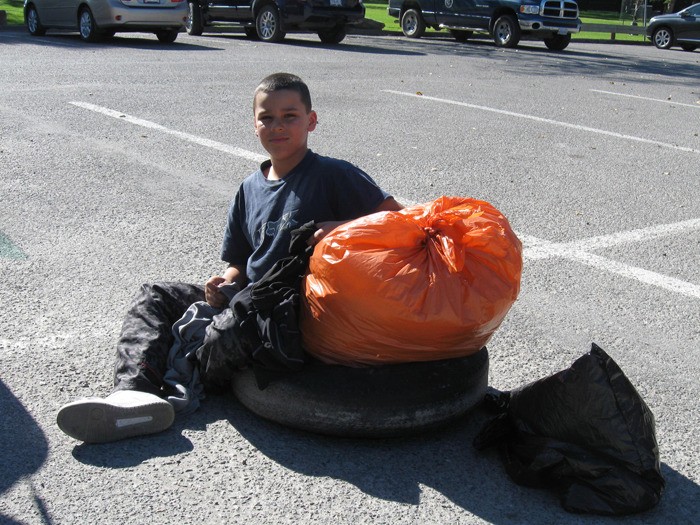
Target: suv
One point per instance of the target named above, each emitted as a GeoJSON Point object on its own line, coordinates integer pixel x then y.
{"type": "Point", "coordinates": [553, 21]}
{"type": "Point", "coordinates": [270, 20]}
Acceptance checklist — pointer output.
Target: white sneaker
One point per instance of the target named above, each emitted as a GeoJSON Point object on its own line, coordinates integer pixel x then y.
{"type": "Point", "coordinates": [123, 414]}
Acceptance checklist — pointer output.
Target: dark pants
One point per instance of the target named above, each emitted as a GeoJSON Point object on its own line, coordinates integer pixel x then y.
{"type": "Point", "coordinates": [146, 336]}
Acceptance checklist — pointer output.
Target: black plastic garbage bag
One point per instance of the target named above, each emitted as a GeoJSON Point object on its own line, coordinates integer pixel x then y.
{"type": "Point", "coordinates": [583, 432]}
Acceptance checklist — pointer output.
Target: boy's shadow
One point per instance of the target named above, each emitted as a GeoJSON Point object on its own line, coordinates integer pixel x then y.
{"type": "Point", "coordinates": [24, 448]}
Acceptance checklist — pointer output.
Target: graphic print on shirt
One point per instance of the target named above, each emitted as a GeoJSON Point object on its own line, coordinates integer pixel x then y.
{"type": "Point", "coordinates": [271, 229]}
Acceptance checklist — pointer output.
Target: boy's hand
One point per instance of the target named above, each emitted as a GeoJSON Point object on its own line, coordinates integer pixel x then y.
{"type": "Point", "coordinates": [212, 293]}
{"type": "Point", "coordinates": [324, 228]}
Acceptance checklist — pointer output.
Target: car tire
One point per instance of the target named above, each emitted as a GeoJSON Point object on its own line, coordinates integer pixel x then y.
{"type": "Point", "coordinates": [558, 42]}
{"type": "Point", "coordinates": [167, 36]}
{"type": "Point", "coordinates": [380, 401]}
{"type": "Point", "coordinates": [334, 35]}
{"type": "Point", "coordinates": [412, 23]}
{"type": "Point", "coordinates": [193, 24]}
{"type": "Point", "coordinates": [460, 35]}
{"type": "Point", "coordinates": [89, 31]}
{"type": "Point", "coordinates": [506, 31]}
{"type": "Point", "coordinates": [33, 23]}
{"type": "Point", "coordinates": [268, 24]}
{"type": "Point", "coordinates": [689, 47]}
{"type": "Point", "coordinates": [662, 38]}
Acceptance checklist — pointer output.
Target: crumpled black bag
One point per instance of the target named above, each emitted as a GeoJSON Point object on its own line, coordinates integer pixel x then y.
{"type": "Point", "coordinates": [584, 433]}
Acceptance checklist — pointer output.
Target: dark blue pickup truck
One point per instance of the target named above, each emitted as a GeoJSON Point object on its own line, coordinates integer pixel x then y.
{"type": "Point", "coordinates": [507, 21]}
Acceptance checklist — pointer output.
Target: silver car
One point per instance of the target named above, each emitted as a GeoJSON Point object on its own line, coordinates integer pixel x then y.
{"type": "Point", "coordinates": [97, 19]}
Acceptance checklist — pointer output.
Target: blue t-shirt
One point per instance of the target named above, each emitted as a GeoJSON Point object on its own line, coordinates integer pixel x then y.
{"type": "Point", "coordinates": [264, 212]}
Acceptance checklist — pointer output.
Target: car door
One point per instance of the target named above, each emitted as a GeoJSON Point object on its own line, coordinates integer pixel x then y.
{"type": "Point", "coordinates": [48, 12]}
{"type": "Point", "coordinates": [689, 26]}
{"type": "Point", "coordinates": [460, 13]}
{"type": "Point", "coordinates": [225, 9]}
{"type": "Point", "coordinates": [68, 12]}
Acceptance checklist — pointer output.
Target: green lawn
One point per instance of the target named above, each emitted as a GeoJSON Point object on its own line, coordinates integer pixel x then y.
{"type": "Point", "coordinates": [13, 8]}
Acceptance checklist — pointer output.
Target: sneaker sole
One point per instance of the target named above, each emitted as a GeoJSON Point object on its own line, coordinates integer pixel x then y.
{"type": "Point", "coordinates": [100, 422]}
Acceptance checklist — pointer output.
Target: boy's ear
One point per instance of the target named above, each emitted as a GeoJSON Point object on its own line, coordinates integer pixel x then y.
{"type": "Point", "coordinates": [313, 120]}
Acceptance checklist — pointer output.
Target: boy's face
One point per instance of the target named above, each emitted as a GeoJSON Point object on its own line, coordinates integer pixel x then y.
{"type": "Point", "coordinates": [282, 124]}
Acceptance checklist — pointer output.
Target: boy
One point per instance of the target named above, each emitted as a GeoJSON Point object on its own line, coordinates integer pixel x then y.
{"type": "Point", "coordinates": [293, 187]}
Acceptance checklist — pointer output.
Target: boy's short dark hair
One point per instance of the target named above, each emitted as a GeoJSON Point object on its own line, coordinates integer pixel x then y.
{"type": "Point", "coordinates": [279, 81]}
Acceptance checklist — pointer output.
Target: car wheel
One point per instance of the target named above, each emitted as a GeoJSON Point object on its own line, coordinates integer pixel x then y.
{"type": "Point", "coordinates": [167, 36]}
{"type": "Point", "coordinates": [334, 35]}
{"type": "Point", "coordinates": [193, 23]}
{"type": "Point", "coordinates": [412, 24]}
{"type": "Point", "coordinates": [460, 35]}
{"type": "Point", "coordinates": [33, 23]}
{"type": "Point", "coordinates": [251, 33]}
{"type": "Point", "coordinates": [557, 42]}
{"type": "Point", "coordinates": [688, 47]}
{"type": "Point", "coordinates": [379, 401]}
{"type": "Point", "coordinates": [506, 31]}
{"type": "Point", "coordinates": [269, 24]}
{"type": "Point", "coordinates": [662, 38]}
{"type": "Point", "coordinates": [88, 28]}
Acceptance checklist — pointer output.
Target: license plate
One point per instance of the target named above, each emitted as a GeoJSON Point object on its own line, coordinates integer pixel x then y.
{"type": "Point", "coordinates": [337, 3]}
{"type": "Point", "coordinates": [151, 1]}
{"type": "Point", "coordinates": [562, 31]}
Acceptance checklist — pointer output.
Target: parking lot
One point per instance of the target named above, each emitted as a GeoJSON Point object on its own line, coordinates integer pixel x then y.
{"type": "Point", "coordinates": [118, 161]}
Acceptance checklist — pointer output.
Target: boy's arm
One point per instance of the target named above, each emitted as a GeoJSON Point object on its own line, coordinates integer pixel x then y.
{"type": "Point", "coordinates": [389, 204]}
{"type": "Point", "coordinates": [235, 273]}
{"type": "Point", "coordinates": [324, 228]}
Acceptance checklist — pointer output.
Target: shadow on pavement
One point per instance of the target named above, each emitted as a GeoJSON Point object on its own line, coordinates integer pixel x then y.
{"type": "Point", "coordinates": [397, 470]}
{"type": "Point", "coordinates": [134, 451]}
{"type": "Point", "coordinates": [443, 461]}
{"type": "Point", "coordinates": [24, 447]}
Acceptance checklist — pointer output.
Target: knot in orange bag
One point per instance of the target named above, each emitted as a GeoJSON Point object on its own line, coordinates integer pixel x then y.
{"type": "Point", "coordinates": [430, 282]}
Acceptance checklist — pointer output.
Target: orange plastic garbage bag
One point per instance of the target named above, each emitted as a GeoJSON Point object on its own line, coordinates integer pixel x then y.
{"type": "Point", "coordinates": [429, 282]}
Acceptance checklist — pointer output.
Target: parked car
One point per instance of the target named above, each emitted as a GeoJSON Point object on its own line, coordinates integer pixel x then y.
{"type": "Point", "coordinates": [676, 29]}
{"type": "Point", "coordinates": [271, 20]}
{"type": "Point", "coordinates": [507, 21]}
{"type": "Point", "coordinates": [97, 19]}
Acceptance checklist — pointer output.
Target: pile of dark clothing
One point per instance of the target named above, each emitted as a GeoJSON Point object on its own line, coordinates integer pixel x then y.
{"type": "Point", "coordinates": [258, 329]}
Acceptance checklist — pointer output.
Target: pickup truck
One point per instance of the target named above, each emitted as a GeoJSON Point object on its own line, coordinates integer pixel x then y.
{"type": "Point", "coordinates": [507, 21]}
{"type": "Point", "coordinates": [270, 20]}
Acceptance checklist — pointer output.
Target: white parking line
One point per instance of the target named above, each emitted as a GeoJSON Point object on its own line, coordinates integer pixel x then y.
{"type": "Point", "coordinates": [534, 248]}
{"type": "Point", "coordinates": [614, 239]}
{"type": "Point", "coordinates": [232, 150]}
{"type": "Point", "coordinates": [538, 249]}
{"type": "Point", "coordinates": [545, 120]}
{"type": "Point", "coordinates": [696, 106]}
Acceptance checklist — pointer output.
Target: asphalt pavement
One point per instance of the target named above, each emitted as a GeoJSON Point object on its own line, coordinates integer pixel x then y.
{"type": "Point", "coordinates": [118, 161]}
